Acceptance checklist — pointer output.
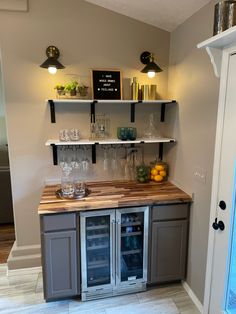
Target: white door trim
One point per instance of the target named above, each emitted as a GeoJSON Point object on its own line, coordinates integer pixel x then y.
{"type": "Point", "coordinates": [215, 181]}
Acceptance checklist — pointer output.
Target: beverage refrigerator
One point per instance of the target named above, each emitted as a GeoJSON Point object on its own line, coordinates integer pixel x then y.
{"type": "Point", "coordinates": [114, 251]}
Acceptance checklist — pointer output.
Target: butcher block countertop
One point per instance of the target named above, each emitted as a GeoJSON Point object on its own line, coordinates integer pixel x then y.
{"type": "Point", "coordinates": [113, 194]}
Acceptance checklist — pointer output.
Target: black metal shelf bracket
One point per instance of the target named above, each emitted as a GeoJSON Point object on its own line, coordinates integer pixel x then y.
{"type": "Point", "coordinates": [94, 157]}
{"type": "Point", "coordinates": [92, 111]}
{"type": "Point", "coordinates": [161, 148]}
{"type": "Point", "coordinates": [132, 110]}
{"type": "Point", "coordinates": [54, 154]}
{"type": "Point", "coordinates": [52, 110]}
{"type": "Point", "coordinates": [163, 112]}
{"type": "Point", "coordinates": [163, 109]}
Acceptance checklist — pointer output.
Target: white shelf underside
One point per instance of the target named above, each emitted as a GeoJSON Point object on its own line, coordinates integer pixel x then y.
{"type": "Point", "coordinates": [89, 101]}
{"type": "Point", "coordinates": [109, 142]}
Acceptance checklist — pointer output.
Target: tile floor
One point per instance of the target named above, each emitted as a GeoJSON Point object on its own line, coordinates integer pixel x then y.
{"type": "Point", "coordinates": [23, 293]}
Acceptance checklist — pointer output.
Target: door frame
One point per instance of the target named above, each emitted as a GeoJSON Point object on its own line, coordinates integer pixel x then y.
{"type": "Point", "coordinates": [216, 171]}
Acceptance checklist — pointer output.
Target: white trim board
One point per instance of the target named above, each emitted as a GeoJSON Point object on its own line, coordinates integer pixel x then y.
{"type": "Point", "coordinates": [24, 271]}
{"type": "Point", "coordinates": [193, 296]}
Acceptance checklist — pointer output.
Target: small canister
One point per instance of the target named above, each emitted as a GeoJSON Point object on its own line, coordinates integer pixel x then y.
{"type": "Point", "coordinates": [145, 92]}
{"type": "Point", "coordinates": [153, 92]}
{"type": "Point", "coordinates": [220, 17]}
{"type": "Point", "coordinates": [225, 16]}
{"type": "Point", "coordinates": [231, 20]}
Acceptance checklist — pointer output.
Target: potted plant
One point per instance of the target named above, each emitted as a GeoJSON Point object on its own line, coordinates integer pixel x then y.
{"type": "Point", "coordinates": [71, 88]}
{"type": "Point", "coordinates": [83, 90]}
{"type": "Point", "coordinates": [60, 89]}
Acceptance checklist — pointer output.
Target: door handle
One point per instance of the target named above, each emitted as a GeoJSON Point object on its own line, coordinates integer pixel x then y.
{"type": "Point", "coordinates": [218, 225]}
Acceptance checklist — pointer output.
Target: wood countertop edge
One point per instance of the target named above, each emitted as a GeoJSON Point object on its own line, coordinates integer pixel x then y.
{"type": "Point", "coordinates": [108, 194]}
{"type": "Point", "coordinates": [70, 209]}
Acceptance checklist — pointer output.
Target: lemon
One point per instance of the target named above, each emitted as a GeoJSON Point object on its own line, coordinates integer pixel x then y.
{"type": "Point", "coordinates": [162, 173]}
{"type": "Point", "coordinates": [152, 177]}
{"type": "Point", "coordinates": [158, 178]}
{"type": "Point", "coordinates": [154, 172]}
{"type": "Point", "coordinates": [159, 167]}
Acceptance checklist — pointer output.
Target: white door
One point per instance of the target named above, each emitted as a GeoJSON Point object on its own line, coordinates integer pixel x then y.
{"type": "Point", "coordinates": [222, 295]}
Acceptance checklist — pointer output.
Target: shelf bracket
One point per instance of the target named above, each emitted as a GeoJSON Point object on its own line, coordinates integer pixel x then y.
{"type": "Point", "coordinates": [94, 157]}
{"type": "Point", "coordinates": [92, 111]}
{"type": "Point", "coordinates": [161, 147]}
{"type": "Point", "coordinates": [163, 109]}
{"type": "Point", "coordinates": [54, 154]}
{"type": "Point", "coordinates": [163, 112]}
{"type": "Point", "coordinates": [52, 110]}
{"type": "Point", "coordinates": [132, 110]}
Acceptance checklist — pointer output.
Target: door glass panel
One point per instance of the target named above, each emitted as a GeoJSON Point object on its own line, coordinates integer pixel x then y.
{"type": "Point", "coordinates": [231, 289]}
{"type": "Point", "coordinates": [98, 250]}
{"type": "Point", "coordinates": [132, 228]}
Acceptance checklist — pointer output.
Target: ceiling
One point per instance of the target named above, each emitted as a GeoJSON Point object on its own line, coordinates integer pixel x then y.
{"type": "Point", "coordinates": [165, 14]}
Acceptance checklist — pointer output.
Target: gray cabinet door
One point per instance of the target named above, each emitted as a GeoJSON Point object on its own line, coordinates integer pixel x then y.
{"type": "Point", "coordinates": [60, 264]}
{"type": "Point", "coordinates": [168, 251]}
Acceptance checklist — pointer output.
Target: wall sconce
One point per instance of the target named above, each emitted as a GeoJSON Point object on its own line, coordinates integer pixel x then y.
{"type": "Point", "coordinates": [52, 64]}
{"type": "Point", "coordinates": [151, 68]}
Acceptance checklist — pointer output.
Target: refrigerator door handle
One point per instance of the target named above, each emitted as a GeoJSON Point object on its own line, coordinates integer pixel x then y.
{"type": "Point", "coordinates": [113, 233]}
{"type": "Point", "coordinates": [118, 256]}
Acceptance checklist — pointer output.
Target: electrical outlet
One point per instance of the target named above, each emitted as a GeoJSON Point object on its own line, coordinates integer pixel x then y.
{"type": "Point", "coordinates": [200, 175]}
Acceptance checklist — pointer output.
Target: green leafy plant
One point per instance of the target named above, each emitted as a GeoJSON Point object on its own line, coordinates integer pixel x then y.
{"type": "Point", "coordinates": [59, 87]}
{"type": "Point", "coordinates": [71, 86]}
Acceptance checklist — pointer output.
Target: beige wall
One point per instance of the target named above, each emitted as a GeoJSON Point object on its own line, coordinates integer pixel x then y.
{"type": "Point", "coordinates": [88, 37]}
{"type": "Point", "coordinates": [91, 37]}
{"type": "Point", "coordinates": [193, 84]}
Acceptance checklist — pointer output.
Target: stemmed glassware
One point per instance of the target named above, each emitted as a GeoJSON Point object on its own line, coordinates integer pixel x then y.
{"type": "Point", "coordinates": [113, 154]}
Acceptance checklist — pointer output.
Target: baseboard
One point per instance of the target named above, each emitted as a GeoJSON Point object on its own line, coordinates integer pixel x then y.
{"type": "Point", "coordinates": [193, 296]}
{"type": "Point", "coordinates": [24, 271]}
{"type": "Point", "coordinates": [24, 257]}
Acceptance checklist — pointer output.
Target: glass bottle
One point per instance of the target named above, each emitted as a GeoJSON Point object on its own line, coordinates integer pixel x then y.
{"type": "Point", "coordinates": [151, 131]}
{"type": "Point", "coordinates": [135, 89]}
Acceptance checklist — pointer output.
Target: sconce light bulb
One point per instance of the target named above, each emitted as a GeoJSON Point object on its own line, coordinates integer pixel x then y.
{"type": "Point", "coordinates": [151, 74]}
{"type": "Point", "coordinates": [52, 70]}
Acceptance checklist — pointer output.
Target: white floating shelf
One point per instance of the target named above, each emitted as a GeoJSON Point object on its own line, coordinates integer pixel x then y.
{"type": "Point", "coordinates": [221, 40]}
{"type": "Point", "coordinates": [216, 44]}
{"type": "Point", "coordinates": [109, 142]}
{"type": "Point", "coordinates": [89, 101]}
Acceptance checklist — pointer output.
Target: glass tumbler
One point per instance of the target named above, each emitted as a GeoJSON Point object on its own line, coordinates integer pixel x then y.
{"type": "Point", "coordinates": [64, 135]}
{"type": "Point", "coordinates": [74, 134]}
{"type": "Point", "coordinates": [131, 134]}
{"type": "Point", "coordinates": [122, 133]}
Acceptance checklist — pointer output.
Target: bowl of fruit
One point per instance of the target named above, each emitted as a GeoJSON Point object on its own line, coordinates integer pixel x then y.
{"type": "Point", "coordinates": [159, 171]}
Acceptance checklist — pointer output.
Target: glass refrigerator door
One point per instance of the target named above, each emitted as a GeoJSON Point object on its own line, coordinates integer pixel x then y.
{"type": "Point", "coordinates": [97, 249]}
{"type": "Point", "coordinates": [132, 245]}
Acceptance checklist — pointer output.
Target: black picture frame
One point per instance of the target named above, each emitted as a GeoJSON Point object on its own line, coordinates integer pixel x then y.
{"type": "Point", "coordinates": [106, 84]}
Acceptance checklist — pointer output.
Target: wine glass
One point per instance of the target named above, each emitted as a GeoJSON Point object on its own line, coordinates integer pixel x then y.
{"type": "Point", "coordinates": [105, 158]}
